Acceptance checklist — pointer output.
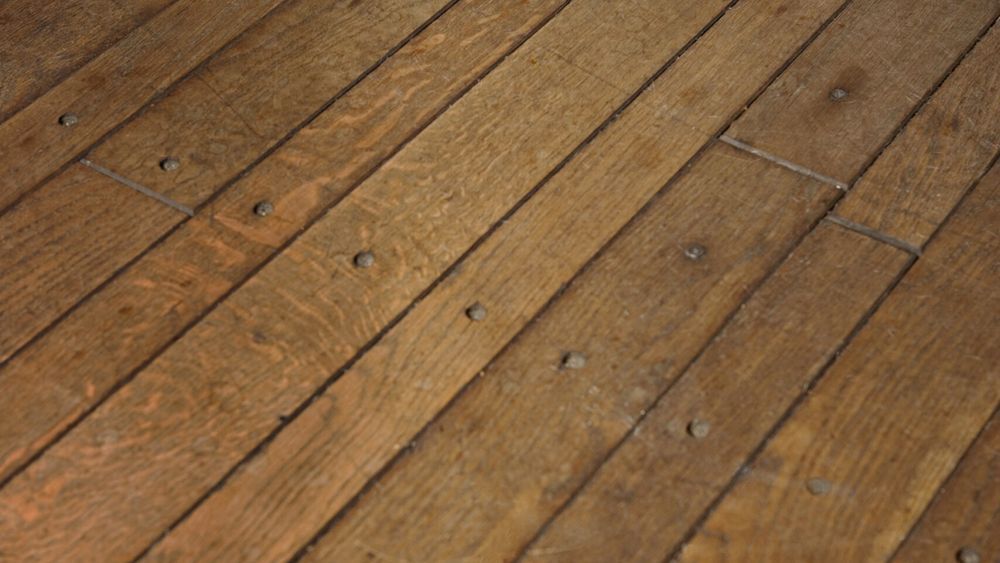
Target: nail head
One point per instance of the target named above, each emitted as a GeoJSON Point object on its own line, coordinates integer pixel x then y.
{"type": "Point", "coordinates": [263, 208]}
{"type": "Point", "coordinates": [695, 252]}
{"type": "Point", "coordinates": [364, 259]}
{"type": "Point", "coordinates": [838, 94]}
{"type": "Point", "coordinates": [818, 486]}
{"type": "Point", "coordinates": [170, 164]}
{"type": "Point", "coordinates": [574, 360]}
{"type": "Point", "coordinates": [969, 555]}
{"type": "Point", "coordinates": [476, 312]}
{"type": "Point", "coordinates": [699, 428]}
{"type": "Point", "coordinates": [68, 119]}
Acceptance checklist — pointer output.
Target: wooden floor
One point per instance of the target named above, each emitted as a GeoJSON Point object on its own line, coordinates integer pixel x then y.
{"type": "Point", "coordinates": [486, 280]}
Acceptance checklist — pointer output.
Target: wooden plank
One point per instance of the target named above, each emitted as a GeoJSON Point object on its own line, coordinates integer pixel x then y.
{"type": "Point", "coordinates": [966, 514]}
{"type": "Point", "coordinates": [503, 457]}
{"type": "Point", "coordinates": [885, 63]}
{"type": "Point", "coordinates": [887, 424]}
{"type": "Point", "coordinates": [148, 305]}
{"type": "Point", "coordinates": [257, 90]}
{"type": "Point", "coordinates": [419, 212]}
{"type": "Point", "coordinates": [662, 477]}
{"type": "Point", "coordinates": [264, 58]}
{"type": "Point", "coordinates": [112, 86]}
{"type": "Point", "coordinates": [48, 263]}
{"type": "Point", "coordinates": [44, 41]}
{"type": "Point", "coordinates": [913, 186]}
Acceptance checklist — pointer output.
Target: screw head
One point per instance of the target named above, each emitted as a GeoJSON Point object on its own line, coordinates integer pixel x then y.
{"type": "Point", "coordinates": [263, 208]}
{"type": "Point", "coordinates": [68, 119]}
{"type": "Point", "coordinates": [364, 259]}
{"type": "Point", "coordinates": [695, 252]}
{"type": "Point", "coordinates": [968, 555]}
{"type": "Point", "coordinates": [574, 360]}
{"type": "Point", "coordinates": [476, 312]}
{"type": "Point", "coordinates": [170, 164]}
{"type": "Point", "coordinates": [698, 428]}
{"type": "Point", "coordinates": [818, 486]}
{"type": "Point", "coordinates": [838, 94]}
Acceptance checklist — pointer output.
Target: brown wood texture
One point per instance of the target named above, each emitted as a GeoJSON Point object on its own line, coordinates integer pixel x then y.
{"type": "Point", "coordinates": [884, 428]}
{"type": "Point", "coordinates": [43, 41]}
{"type": "Point", "coordinates": [535, 426]}
{"type": "Point", "coordinates": [662, 477]}
{"type": "Point", "coordinates": [114, 85]}
{"type": "Point", "coordinates": [913, 186]}
{"type": "Point", "coordinates": [197, 420]}
{"type": "Point", "coordinates": [149, 304]}
{"type": "Point", "coordinates": [966, 514]}
{"type": "Point", "coordinates": [885, 62]}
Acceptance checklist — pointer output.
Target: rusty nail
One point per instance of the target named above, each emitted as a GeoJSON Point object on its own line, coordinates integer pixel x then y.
{"type": "Point", "coordinates": [574, 360]}
{"type": "Point", "coordinates": [68, 119]}
{"type": "Point", "coordinates": [476, 311]}
{"type": "Point", "coordinates": [969, 555]}
{"type": "Point", "coordinates": [818, 486]}
{"type": "Point", "coordinates": [170, 164]}
{"type": "Point", "coordinates": [695, 252]}
{"type": "Point", "coordinates": [364, 259]}
{"type": "Point", "coordinates": [263, 208]}
{"type": "Point", "coordinates": [838, 94]}
{"type": "Point", "coordinates": [698, 428]}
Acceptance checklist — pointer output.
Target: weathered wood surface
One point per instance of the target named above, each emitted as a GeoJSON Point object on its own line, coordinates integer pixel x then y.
{"type": "Point", "coordinates": [175, 430]}
{"type": "Point", "coordinates": [848, 474]}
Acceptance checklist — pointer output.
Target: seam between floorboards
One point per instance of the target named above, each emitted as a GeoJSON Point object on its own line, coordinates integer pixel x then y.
{"type": "Point", "coordinates": [137, 187]}
{"type": "Point", "coordinates": [784, 163]}
{"type": "Point", "coordinates": [872, 234]}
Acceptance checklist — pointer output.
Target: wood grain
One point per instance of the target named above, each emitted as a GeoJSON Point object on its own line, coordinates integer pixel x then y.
{"type": "Point", "coordinates": [257, 90]}
{"type": "Point", "coordinates": [47, 264]}
{"type": "Point", "coordinates": [966, 513]}
{"type": "Point", "coordinates": [524, 435]}
{"type": "Point", "coordinates": [888, 422]}
{"type": "Point", "coordinates": [113, 333]}
{"type": "Point", "coordinates": [44, 41]}
{"type": "Point", "coordinates": [169, 435]}
{"type": "Point", "coordinates": [646, 497]}
{"type": "Point", "coordinates": [885, 62]}
{"type": "Point", "coordinates": [114, 85]}
{"type": "Point", "coordinates": [913, 186]}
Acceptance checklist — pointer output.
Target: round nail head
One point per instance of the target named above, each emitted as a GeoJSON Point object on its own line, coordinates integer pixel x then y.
{"type": "Point", "coordinates": [574, 360]}
{"type": "Point", "coordinates": [476, 312]}
{"type": "Point", "coordinates": [68, 119]}
{"type": "Point", "coordinates": [170, 164]}
{"type": "Point", "coordinates": [969, 555]}
{"type": "Point", "coordinates": [695, 252]}
{"type": "Point", "coordinates": [818, 486]}
{"type": "Point", "coordinates": [699, 429]}
{"type": "Point", "coordinates": [263, 209]}
{"type": "Point", "coordinates": [838, 94]}
{"type": "Point", "coordinates": [364, 259]}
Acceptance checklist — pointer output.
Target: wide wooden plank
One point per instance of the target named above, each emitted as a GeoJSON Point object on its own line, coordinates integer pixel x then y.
{"type": "Point", "coordinates": [114, 85]}
{"type": "Point", "coordinates": [492, 469]}
{"type": "Point", "coordinates": [365, 33]}
{"type": "Point", "coordinates": [965, 517]}
{"type": "Point", "coordinates": [257, 90]}
{"type": "Point", "coordinates": [199, 409]}
{"type": "Point", "coordinates": [848, 474]}
{"type": "Point", "coordinates": [884, 63]}
{"type": "Point", "coordinates": [662, 477]}
{"type": "Point", "coordinates": [913, 186]}
{"type": "Point", "coordinates": [46, 264]}
{"type": "Point", "coordinates": [44, 41]}
{"type": "Point", "coordinates": [114, 332]}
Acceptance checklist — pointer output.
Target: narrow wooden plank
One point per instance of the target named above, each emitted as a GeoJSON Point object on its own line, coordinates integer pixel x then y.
{"type": "Point", "coordinates": [284, 44]}
{"type": "Point", "coordinates": [662, 478]}
{"type": "Point", "coordinates": [113, 333]}
{"type": "Point", "coordinates": [47, 262]}
{"type": "Point", "coordinates": [885, 63]}
{"type": "Point", "coordinates": [44, 41]}
{"type": "Point", "coordinates": [256, 91]}
{"type": "Point", "coordinates": [495, 465]}
{"type": "Point", "coordinates": [913, 186]}
{"type": "Point", "coordinates": [966, 515]}
{"type": "Point", "coordinates": [203, 408]}
{"type": "Point", "coordinates": [114, 85]}
{"type": "Point", "coordinates": [887, 424]}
